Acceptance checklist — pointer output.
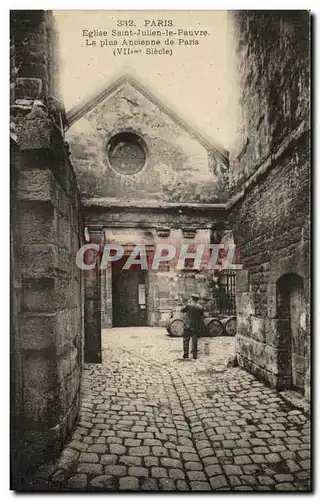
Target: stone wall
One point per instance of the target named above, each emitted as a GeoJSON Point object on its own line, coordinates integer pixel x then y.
{"type": "Point", "coordinates": [270, 207]}
{"type": "Point", "coordinates": [46, 232]}
{"type": "Point", "coordinates": [271, 51]}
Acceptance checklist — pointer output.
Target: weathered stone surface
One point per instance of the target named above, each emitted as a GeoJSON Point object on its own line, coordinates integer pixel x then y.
{"type": "Point", "coordinates": [138, 472]}
{"type": "Point", "coordinates": [170, 462]}
{"type": "Point", "coordinates": [104, 482]}
{"type": "Point", "coordinates": [196, 476]}
{"type": "Point", "coordinates": [159, 472]}
{"type": "Point", "coordinates": [213, 470]}
{"type": "Point", "coordinates": [269, 174]}
{"type": "Point", "coordinates": [89, 457]}
{"type": "Point", "coordinates": [182, 486]}
{"type": "Point", "coordinates": [115, 470]}
{"type": "Point", "coordinates": [46, 195]}
{"type": "Point", "coordinates": [167, 484]}
{"type": "Point", "coordinates": [139, 451]}
{"type": "Point", "coordinates": [200, 486]}
{"type": "Point", "coordinates": [89, 468]}
{"type": "Point", "coordinates": [78, 481]}
{"type": "Point", "coordinates": [134, 461]}
{"type": "Point", "coordinates": [108, 459]}
{"type": "Point", "coordinates": [98, 448]}
{"type": "Point", "coordinates": [217, 482]}
{"type": "Point", "coordinates": [176, 474]}
{"type": "Point", "coordinates": [240, 410]}
{"type": "Point", "coordinates": [129, 483]}
{"type": "Point", "coordinates": [149, 484]}
{"type": "Point", "coordinates": [159, 451]}
{"type": "Point", "coordinates": [117, 449]}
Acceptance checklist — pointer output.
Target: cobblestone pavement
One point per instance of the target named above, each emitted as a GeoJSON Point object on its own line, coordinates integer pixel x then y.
{"type": "Point", "coordinates": [151, 422]}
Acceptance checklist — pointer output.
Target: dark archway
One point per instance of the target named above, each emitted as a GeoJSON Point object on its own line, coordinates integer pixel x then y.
{"type": "Point", "coordinates": [291, 325]}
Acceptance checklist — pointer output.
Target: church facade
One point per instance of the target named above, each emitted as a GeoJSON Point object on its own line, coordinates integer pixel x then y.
{"type": "Point", "coordinates": [145, 179]}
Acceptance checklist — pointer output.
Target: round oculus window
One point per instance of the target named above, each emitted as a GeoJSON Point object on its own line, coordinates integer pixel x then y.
{"type": "Point", "coordinates": [127, 153]}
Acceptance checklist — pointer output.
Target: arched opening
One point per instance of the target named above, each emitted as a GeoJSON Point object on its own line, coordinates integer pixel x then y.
{"type": "Point", "coordinates": [291, 316]}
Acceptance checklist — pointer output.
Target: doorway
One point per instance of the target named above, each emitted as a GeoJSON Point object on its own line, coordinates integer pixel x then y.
{"type": "Point", "coordinates": [129, 297]}
{"type": "Point", "coordinates": [291, 312]}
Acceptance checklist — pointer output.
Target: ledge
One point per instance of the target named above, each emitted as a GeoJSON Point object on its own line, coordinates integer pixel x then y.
{"type": "Point", "coordinates": [269, 163]}
{"type": "Point", "coordinates": [118, 203]}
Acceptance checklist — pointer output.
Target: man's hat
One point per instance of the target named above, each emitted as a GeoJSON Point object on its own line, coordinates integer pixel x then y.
{"type": "Point", "coordinates": [195, 296]}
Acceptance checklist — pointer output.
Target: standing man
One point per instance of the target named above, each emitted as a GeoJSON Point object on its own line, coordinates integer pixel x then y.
{"type": "Point", "coordinates": [192, 325]}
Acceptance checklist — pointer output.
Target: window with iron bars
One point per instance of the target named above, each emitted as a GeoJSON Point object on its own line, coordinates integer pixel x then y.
{"type": "Point", "coordinates": [226, 292]}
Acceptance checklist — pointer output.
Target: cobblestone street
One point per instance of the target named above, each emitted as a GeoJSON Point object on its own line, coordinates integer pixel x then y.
{"type": "Point", "coordinates": [151, 422]}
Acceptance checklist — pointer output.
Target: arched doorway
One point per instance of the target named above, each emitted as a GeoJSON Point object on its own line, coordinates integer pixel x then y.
{"type": "Point", "coordinates": [291, 314]}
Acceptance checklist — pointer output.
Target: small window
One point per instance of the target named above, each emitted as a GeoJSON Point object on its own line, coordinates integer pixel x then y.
{"type": "Point", "coordinates": [127, 153]}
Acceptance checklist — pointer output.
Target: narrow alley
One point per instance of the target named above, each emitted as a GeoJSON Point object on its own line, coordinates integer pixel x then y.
{"type": "Point", "coordinates": [160, 193]}
{"type": "Point", "coordinates": [151, 422]}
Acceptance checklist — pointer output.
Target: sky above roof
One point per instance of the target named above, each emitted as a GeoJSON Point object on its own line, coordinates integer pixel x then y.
{"type": "Point", "coordinates": [195, 82]}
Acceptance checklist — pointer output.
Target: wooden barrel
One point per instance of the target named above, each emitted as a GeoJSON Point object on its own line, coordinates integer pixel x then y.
{"type": "Point", "coordinates": [175, 324]}
{"type": "Point", "coordinates": [213, 326]}
{"type": "Point", "coordinates": [229, 325]}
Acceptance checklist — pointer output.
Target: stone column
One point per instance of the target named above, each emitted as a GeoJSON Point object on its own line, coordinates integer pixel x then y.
{"type": "Point", "coordinates": [92, 305]}
{"type": "Point", "coordinates": [106, 293]}
{"type": "Point", "coordinates": [47, 344]}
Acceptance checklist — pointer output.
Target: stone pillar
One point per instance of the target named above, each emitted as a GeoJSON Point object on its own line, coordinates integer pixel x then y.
{"type": "Point", "coordinates": [106, 293]}
{"type": "Point", "coordinates": [50, 342]}
{"type": "Point", "coordinates": [109, 314]}
{"type": "Point", "coordinates": [106, 297]}
{"type": "Point", "coordinates": [92, 306]}
{"type": "Point", "coordinates": [47, 347]}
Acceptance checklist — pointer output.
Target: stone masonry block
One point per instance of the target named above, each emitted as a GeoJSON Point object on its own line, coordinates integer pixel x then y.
{"type": "Point", "coordinates": [36, 222]}
{"type": "Point", "coordinates": [67, 363]}
{"type": "Point", "coordinates": [40, 407]}
{"type": "Point", "coordinates": [45, 294]}
{"type": "Point", "coordinates": [258, 328]}
{"type": "Point", "coordinates": [68, 390]}
{"type": "Point", "coordinates": [36, 134]}
{"type": "Point", "coordinates": [35, 185]}
{"type": "Point", "coordinates": [63, 232]}
{"type": "Point", "coordinates": [39, 369]}
{"type": "Point", "coordinates": [62, 200]}
{"type": "Point", "coordinates": [63, 330]}
{"type": "Point", "coordinates": [239, 303]}
{"type": "Point", "coordinates": [275, 330]}
{"type": "Point", "coordinates": [251, 349]}
{"type": "Point", "coordinates": [247, 304]}
{"type": "Point", "coordinates": [244, 325]}
{"type": "Point", "coordinates": [271, 359]}
{"type": "Point", "coordinates": [299, 366]}
{"type": "Point", "coordinates": [242, 282]}
{"type": "Point", "coordinates": [271, 300]}
{"type": "Point", "coordinates": [307, 386]}
{"type": "Point", "coordinates": [39, 260]}
{"type": "Point", "coordinates": [38, 330]}
{"type": "Point", "coordinates": [38, 294]}
{"type": "Point", "coordinates": [49, 330]}
{"type": "Point", "coordinates": [28, 88]}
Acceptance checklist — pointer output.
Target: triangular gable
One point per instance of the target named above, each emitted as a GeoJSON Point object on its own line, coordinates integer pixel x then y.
{"type": "Point", "coordinates": [79, 111]}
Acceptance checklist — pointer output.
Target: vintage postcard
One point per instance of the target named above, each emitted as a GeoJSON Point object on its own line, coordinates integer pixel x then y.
{"type": "Point", "coordinates": [160, 250]}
